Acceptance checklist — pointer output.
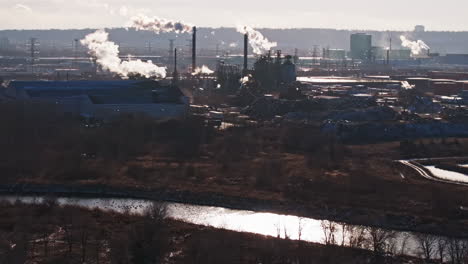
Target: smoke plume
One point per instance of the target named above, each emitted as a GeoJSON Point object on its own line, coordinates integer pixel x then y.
{"type": "Point", "coordinates": [244, 80]}
{"type": "Point", "coordinates": [259, 43]}
{"type": "Point", "coordinates": [417, 47]}
{"type": "Point", "coordinates": [158, 25]}
{"type": "Point", "coordinates": [107, 56]}
{"type": "Point", "coordinates": [202, 70]}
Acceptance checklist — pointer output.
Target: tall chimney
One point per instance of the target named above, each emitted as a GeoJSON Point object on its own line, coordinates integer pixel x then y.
{"type": "Point", "coordinates": [246, 52]}
{"type": "Point", "coordinates": [194, 49]}
{"type": "Point", "coordinates": [388, 56]}
{"type": "Point", "coordinates": [389, 50]}
{"type": "Point", "coordinates": [175, 74]}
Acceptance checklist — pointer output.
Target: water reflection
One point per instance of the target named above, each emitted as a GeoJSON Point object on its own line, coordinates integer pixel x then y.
{"type": "Point", "coordinates": [284, 226]}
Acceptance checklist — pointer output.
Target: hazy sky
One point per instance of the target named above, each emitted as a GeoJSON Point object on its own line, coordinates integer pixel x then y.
{"type": "Point", "coordinates": [342, 14]}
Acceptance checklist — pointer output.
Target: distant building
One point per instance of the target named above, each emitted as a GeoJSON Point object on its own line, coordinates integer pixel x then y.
{"type": "Point", "coordinates": [458, 59]}
{"type": "Point", "coordinates": [419, 28]}
{"type": "Point", "coordinates": [105, 99]}
{"type": "Point", "coordinates": [337, 54]}
{"type": "Point", "coordinates": [380, 53]}
{"type": "Point", "coordinates": [361, 46]}
{"type": "Point", "coordinates": [4, 43]}
{"type": "Point", "coordinates": [400, 54]}
{"type": "Point", "coordinates": [288, 71]}
{"type": "Point", "coordinates": [464, 95]}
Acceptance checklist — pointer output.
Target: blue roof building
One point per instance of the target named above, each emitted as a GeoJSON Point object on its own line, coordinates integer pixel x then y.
{"type": "Point", "coordinates": [105, 99]}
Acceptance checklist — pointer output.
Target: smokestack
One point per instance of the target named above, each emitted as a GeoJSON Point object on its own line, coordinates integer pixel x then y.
{"type": "Point", "coordinates": [246, 51]}
{"type": "Point", "coordinates": [278, 56]}
{"type": "Point", "coordinates": [388, 57]}
{"type": "Point", "coordinates": [175, 75]}
{"type": "Point", "coordinates": [194, 49]}
{"type": "Point", "coordinates": [389, 50]}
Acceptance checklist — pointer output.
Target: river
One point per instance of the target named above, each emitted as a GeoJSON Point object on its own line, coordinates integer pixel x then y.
{"type": "Point", "coordinates": [268, 224]}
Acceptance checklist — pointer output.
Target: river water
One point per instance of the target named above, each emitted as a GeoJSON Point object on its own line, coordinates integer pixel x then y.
{"type": "Point", "coordinates": [268, 224]}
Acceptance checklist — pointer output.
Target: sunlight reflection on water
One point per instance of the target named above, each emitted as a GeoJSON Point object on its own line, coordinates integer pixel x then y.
{"type": "Point", "coordinates": [269, 224]}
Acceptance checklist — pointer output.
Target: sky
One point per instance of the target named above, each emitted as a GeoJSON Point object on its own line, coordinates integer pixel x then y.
{"type": "Point", "coordinates": [447, 15]}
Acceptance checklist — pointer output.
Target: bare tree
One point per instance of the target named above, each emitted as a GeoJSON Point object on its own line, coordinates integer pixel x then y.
{"type": "Point", "coordinates": [441, 248]}
{"type": "Point", "coordinates": [45, 241]}
{"type": "Point", "coordinates": [99, 236]}
{"type": "Point", "coordinates": [427, 245]}
{"type": "Point", "coordinates": [156, 212]}
{"type": "Point", "coordinates": [404, 241]}
{"type": "Point", "coordinates": [457, 250]}
{"type": "Point", "coordinates": [278, 230]}
{"type": "Point", "coordinates": [300, 228]}
{"type": "Point", "coordinates": [329, 229]}
{"type": "Point", "coordinates": [357, 236]}
{"type": "Point", "coordinates": [148, 237]}
{"type": "Point", "coordinates": [84, 224]}
{"type": "Point", "coordinates": [286, 235]}
{"type": "Point", "coordinates": [344, 233]}
{"type": "Point", "coordinates": [68, 220]}
{"type": "Point", "coordinates": [380, 240]}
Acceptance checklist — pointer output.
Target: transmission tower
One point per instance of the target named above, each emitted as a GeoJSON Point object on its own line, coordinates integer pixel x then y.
{"type": "Point", "coordinates": [75, 51]}
{"type": "Point", "coordinates": [33, 52]}
{"type": "Point", "coordinates": [296, 56]}
{"type": "Point", "coordinates": [150, 48]}
{"type": "Point", "coordinates": [315, 54]}
{"type": "Point", "coordinates": [171, 51]}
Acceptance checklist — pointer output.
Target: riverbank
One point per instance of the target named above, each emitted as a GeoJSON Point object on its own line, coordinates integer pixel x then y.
{"type": "Point", "coordinates": [50, 234]}
{"type": "Point", "coordinates": [352, 216]}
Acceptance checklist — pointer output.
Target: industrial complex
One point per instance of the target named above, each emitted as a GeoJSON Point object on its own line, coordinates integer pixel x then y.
{"type": "Point", "coordinates": [191, 142]}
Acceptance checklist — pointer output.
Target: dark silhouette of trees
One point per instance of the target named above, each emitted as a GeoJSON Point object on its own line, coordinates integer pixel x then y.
{"type": "Point", "coordinates": [148, 237]}
{"type": "Point", "coordinates": [427, 245]}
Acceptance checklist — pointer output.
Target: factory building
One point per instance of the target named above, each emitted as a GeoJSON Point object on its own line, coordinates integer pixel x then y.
{"type": "Point", "coordinates": [455, 59]}
{"type": "Point", "coordinates": [444, 87]}
{"type": "Point", "coordinates": [4, 44]}
{"type": "Point", "coordinates": [361, 46]}
{"type": "Point", "coordinates": [105, 99]}
{"type": "Point", "coordinates": [381, 53]}
{"type": "Point", "coordinates": [288, 71]}
{"type": "Point", "coordinates": [336, 54]}
{"type": "Point", "coordinates": [419, 29]}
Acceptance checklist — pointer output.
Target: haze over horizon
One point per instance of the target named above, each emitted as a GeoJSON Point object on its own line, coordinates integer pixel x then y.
{"type": "Point", "coordinates": [340, 14]}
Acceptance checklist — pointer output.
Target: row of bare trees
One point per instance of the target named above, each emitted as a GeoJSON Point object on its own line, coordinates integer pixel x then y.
{"type": "Point", "coordinates": [51, 234]}
{"type": "Point", "coordinates": [384, 242]}
{"type": "Point", "coordinates": [451, 250]}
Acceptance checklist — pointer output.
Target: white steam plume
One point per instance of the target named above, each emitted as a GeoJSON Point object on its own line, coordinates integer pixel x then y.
{"type": "Point", "coordinates": [158, 25]}
{"type": "Point", "coordinates": [203, 70]}
{"type": "Point", "coordinates": [107, 56]}
{"type": "Point", "coordinates": [417, 47]}
{"type": "Point", "coordinates": [245, 79]}
{"type": "Point", "coordinates": [259, 43]}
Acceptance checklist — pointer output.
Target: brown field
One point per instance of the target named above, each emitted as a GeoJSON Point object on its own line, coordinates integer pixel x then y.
{"type": "Point", "coordinates": [297, 168]}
